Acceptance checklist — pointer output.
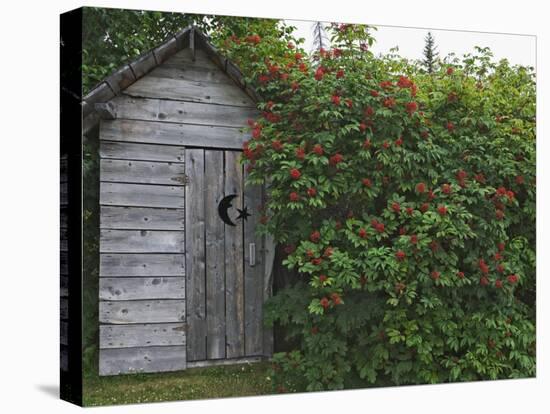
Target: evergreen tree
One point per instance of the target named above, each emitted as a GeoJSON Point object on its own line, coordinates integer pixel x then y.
{"type": "Point", "coordinates": [430, 53]}
{"type": "Point", "coordinates": [320, 38]}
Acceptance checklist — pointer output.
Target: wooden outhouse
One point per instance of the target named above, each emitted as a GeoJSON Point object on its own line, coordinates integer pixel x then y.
{"type": "Point", "coordinates": [183, 273]}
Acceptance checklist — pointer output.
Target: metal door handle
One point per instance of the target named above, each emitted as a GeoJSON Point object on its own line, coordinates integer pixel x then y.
{"type": "Point", "coordinates": [252, 253]}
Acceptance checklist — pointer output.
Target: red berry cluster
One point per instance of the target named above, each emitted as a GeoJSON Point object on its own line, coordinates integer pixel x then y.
{"type": "Point", "coordinates": [376, 225]}
{"type": "Point", "coordinates": [400, 255]}
{"type": "Point", "coordinates": [295, 173]}
{"type": "Point", "coordinates": [315, 236]}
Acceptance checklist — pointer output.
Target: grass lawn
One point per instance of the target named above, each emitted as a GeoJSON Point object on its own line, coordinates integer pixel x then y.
{"type": "Point", "coordinates": [195, 383]}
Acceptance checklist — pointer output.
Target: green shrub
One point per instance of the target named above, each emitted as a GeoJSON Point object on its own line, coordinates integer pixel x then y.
{"type": "Point", "coordinates": [406, 205]}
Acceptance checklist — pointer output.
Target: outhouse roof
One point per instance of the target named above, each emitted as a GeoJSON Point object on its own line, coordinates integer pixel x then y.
{"type": "Point", "coordinates": [120, 79]}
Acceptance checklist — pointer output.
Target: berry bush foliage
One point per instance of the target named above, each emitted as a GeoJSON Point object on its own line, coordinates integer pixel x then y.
{"type": "Point", "coordinates": [405, 203]}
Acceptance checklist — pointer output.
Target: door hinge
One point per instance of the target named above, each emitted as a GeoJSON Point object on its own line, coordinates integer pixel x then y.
{"type": "Point", "coordinates": [183, 179]}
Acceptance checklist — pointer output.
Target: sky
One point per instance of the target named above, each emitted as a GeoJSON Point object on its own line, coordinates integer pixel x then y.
{"type": "Point", "coordinates": [518, 49]}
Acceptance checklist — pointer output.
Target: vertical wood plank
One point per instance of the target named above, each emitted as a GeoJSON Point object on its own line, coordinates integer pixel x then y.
{"type": "Point", "coordinates": [269, 258]}
{"type": "Point", "coordinates": [234, 270]}
{"type": "Point", "coordinates": [195, 255]}
{"type": "Point", "coordinates": [253, 274]}
{"type": "Point", "coordinates": [215, 263]}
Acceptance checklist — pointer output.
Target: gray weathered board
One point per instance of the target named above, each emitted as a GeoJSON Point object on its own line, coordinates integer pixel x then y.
{"type": "Point", "coordinates": [176, 282]}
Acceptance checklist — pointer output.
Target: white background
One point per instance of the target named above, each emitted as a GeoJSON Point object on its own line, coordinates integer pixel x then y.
{"type": "Point", "coordinates": [518, 49]}
{"type": "Point", "coordinates": [29, 96]}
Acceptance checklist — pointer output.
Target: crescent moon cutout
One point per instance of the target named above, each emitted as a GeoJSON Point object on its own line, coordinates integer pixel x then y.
{"type": "Point", "coordinates": [223, 206]}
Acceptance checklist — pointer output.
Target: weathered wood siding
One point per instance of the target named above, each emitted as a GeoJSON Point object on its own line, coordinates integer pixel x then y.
{"type": "Point", "coordinates": [175, 285]}
{"type": "Point", "coordinates": [142, 263]}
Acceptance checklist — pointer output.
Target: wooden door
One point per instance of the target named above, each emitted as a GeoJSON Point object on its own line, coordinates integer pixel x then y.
{"type": "Point", "coordinates": [224, 258]}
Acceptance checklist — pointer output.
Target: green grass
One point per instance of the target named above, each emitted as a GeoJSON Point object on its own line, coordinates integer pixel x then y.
{"type": "Point", "coordinates": [192, 384]}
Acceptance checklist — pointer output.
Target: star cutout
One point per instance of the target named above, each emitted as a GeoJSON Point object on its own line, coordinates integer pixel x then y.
{"type": "Point", "coordinates": [243, 214]}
